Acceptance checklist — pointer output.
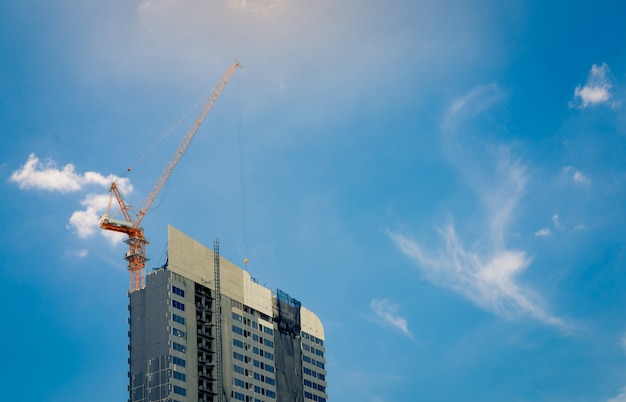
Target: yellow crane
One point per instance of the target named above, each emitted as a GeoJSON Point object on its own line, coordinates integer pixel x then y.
{"type": "Point", "coordinates": [136, 255]}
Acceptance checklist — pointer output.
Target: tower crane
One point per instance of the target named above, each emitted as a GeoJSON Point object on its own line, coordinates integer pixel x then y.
{"type": "Point", "coordinates": [136, 255]}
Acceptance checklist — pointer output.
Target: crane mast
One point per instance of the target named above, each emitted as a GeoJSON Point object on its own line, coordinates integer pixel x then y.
{"type": "Point", "coordinates": [136, 241]}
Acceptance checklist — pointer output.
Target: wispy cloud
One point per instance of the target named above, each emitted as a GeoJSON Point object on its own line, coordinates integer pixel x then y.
{"type": "Point", "coordinates": [255, 6]}
{"type": "Point", "coordinates": [476, 101]}
{"type": "Point", "coordinates": [44, 175]}
{"type": "Point", "coordinates": [621, 397]}
{"type": "Point", "coordinates": [82, 253]}
{"type": "Point", "coordinates": [576, 175]}
{"type": "Point", "coordinates": [487, 273]}
{"type": "Point", "coordinates": [596, 89]}
{"type": "Point", "coordinates": [543, 232]}
{"type": "Point", "coordinates": [387, 313]}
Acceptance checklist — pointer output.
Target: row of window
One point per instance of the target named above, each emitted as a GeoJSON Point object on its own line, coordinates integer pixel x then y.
{"type": "Point", "coordinates": [241, 397]}
{"type": "Point", "coordinates": [256, 363]}
{"type": "Point", "coordinates": [179, 376]}
{"type": "Point", "coordinates": [247, 385]}
{"type": "Point", "coordinates": [257, 376]}
{"type": "Point", "coordinates": [178, 291]}
{"type": "Point", "coordinates": [180, 390]}
{"type": "Point", "coordinates": [178, 319]}
{"type": "Point", "coordinates": [263, 353]}
{"type": "Point", "coordinates": [311, 349]}
{"type": "Point", "coordinates": [313, 385]}
{"type": "Point", "coordinates": [308, 395]}
{"type": "Point", "coordinates": [263, 366]}
{"type": "Point", "coordinates": [314, 373]}
{"type": "Point", "coordinates": [255, 337]}
{"type": "Point", "coordinates": [178, 361]}
{"type": "Point", "coordinates": [262, 378]}
{"type": "Point", "coordinates": [312, 338]}
{"type": "Point", "coordinates": [313, 361]}
{"type": "Point", "coordinates": [178, 305]}
{"type": "Point", "coordinates": [257, 351]}
{"type": "Point", "coordinates": [253, 324]}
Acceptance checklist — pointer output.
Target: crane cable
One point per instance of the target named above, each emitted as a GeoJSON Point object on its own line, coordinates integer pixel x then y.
{"type": "Point", "coordinates": [242, 181]}
{"type": "Point", "coordinates": [167, 134]}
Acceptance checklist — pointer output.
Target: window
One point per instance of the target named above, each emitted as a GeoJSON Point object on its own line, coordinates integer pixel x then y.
{"type": "Point", "coordinates": [270, 381]}
{"type": "Point", "coordinates": [240, 397]}
{"type": "Point", "coordinates": [178, 346]}
{"type": "Point", "coordinates": [257, 376]}
{"type": "Point", "coordinates": [319, 352]}
{"type": "Point", "coordinates": [237, 317]}
{"type": "Point", "coordinates": [306, 358]}
{"type": "Point", "coordinates": [239, 383]}
{"type": "Point", "coordinates": [178, 319]}
{"type": "Point", "coordinates": [238, 356]}
{"type": "Point", "coordinates": [178, 291]}
{"type": "Point", "coordinates": [237, 330]}
{"type": "Point", "coordinates": [178, 305]}
{"type": "Point", "coordinates": [321, 376]}
{"type": "Point", "coordinates": [269, 343]}
{"type": "Point", "coordinates": [238, 343]}
{"type": "Point", "coordinates": [238, 369]}
{"type": "Point", "coordinates": [255, 350]}
{"type": "Point", "coordinates": [178, 361]}
{"type": "Point", "coordinates": [269, 368]}
{"type": "Point", "coordinates": [179, 376]}
{"type": "Point", "coordinates": [320, 365]}
{"type": "Point", "coordinates": [257, 389]}
{"type": "Point", "coordinates": [180, 390]}
{"type": "Point", "coordinates": [271, 394]}
{"type": "Point", "coordinates": [177, 332]}
{"type": "Point", "coordinates": [268, 330]}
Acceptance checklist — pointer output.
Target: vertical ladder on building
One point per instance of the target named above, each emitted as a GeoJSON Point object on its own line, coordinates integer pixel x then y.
{"type": "Point", "coordinates": [218, 320]}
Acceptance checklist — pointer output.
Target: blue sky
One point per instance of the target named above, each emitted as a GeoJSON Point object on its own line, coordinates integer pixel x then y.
{"type": "Point", "coordinates": [443, 183]}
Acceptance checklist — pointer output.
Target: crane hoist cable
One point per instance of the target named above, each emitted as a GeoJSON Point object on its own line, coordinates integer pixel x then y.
{"type": "Point", "coordinates": [136, 241]}
{"type": "Point", "coordinates": [242, 178]}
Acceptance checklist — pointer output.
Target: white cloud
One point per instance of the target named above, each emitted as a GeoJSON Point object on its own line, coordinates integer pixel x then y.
{"type": "Point", "coordinates": [387, 312]}
{"type": "Point", "coordinates": [576, 175]}
{"type": "Point", "coordinates": [489, 282]}
{"type": "Point", "coordinates": [596, 89]}
{"type": "Point", "coordinates": [542, 232]}
{"type": "Point", "coordinates": [82, 253]}
{"type": "Point", "coordinates": [255, 5]}
{"type": "Point", "coordinates": [44, 175]}
{"type": "Point", "coordinates": [488, 273]}
{"type": "Point", "coordinates": [555, 220]}
{"type": "Point", "coordinates": [474, 102]}
{"type": "Point", "coordinates": [621, 397]}
{"type": "Point", "coordinates": [85, 222]}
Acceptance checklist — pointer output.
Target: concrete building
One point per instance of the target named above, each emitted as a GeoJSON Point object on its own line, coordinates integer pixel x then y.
{"type": "Point", "coordinates": [262, 346]}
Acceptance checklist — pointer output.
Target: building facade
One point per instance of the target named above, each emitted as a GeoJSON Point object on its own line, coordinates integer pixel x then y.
{"type": "Point", "coordinates": [203, 330]}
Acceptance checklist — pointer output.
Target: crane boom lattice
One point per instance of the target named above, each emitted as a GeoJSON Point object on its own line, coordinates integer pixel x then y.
{"type": "Point", "coordinates": [136, 241]}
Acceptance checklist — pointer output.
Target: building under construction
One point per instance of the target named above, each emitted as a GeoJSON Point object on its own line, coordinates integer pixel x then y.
{"type": "Point", "coordinates": [203, 330]}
